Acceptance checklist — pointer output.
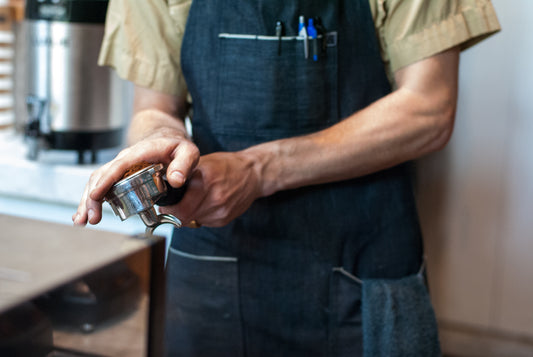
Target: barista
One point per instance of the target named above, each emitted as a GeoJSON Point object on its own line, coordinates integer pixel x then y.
{"type": "Point", "coordinates": [297, 167]}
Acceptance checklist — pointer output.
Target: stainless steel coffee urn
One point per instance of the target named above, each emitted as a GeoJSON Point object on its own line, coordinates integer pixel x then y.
{"type": "Point", "coordinates": [73, 104]}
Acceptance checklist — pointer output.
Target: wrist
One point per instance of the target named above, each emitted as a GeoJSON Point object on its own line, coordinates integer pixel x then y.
{"type": "Point", "coordinates": [153, 122]}
{"type": "Point", "coordinates": [266, 164]}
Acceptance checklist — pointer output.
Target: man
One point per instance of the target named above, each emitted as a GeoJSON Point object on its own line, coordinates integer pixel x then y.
{"type": "Point", "coordinates": [297, 167]}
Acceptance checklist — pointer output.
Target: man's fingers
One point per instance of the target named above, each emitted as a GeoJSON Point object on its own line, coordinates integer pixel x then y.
{"type": "Point", "coordinates": [88, 211]}
{"type": "Point", "coordinates": [184, 160]}
{"type": "Point", "coordinates": [94, 211]}
{"type": "Point", "coordinates": [112, 172]}
{"type": "Point", "coordinates": [182, 156]}
{"type": "Point", "coordinates": [80, 217]}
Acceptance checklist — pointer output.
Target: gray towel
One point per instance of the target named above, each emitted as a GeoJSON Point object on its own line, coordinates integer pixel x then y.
{"type": "Point", "coordinates": [398, 318]}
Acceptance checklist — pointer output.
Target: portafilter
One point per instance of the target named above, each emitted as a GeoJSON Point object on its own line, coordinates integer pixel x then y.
{"type": "Point", "coordinates": [139, 192]}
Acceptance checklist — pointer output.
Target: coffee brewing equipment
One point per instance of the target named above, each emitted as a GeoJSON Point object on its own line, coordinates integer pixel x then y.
{"type": "Point", "coordinates": [140, 192]}
{"type": "Point", "coordinates": [72, 102]}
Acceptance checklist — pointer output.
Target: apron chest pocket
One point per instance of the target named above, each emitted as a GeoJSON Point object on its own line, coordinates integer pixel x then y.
{"type": "Point", "coordinates": [269, 90]}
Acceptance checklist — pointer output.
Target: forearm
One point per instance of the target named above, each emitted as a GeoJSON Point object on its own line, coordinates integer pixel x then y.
{"type": "Point", "coordinates": [412, 121]}
{"type": "Point", "coordinates": [156, 113]}
{"type": "Point", "coordinates": [391, 131]}
{"type": "Point", "coordinates": [149, 122]}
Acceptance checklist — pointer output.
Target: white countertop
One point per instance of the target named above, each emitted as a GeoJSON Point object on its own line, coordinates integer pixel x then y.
{"type": "Point", "coordinates": [50, 188]}
{"type": "Point", "coordinates": [54, 177]}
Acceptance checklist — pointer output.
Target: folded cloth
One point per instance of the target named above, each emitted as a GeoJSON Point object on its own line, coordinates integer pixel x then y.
{"type": "Point", "coordinates": [398, 318]}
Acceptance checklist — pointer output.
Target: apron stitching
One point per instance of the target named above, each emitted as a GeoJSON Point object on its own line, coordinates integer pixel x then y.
{"type": "Point", "coordinates": [203, 257]}
{"type": "Point", "coordinates": [348, 275]}
{"type": "Point", "coordinates": [238, 36]}
{"type": "Point", "coordinates": [357, 280]}
{"type": "Point", "coordinates": [422, 267]}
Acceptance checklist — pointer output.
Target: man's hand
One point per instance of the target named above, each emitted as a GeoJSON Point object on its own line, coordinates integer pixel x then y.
{"type": "Point", "coordinates": [158, 136]}
{"type": "Point", "coordinates": [414, 120]}
{"type": "Point", "coordinates": [221, 188]}
{"type": "Point", "coordinates": [173, 150]}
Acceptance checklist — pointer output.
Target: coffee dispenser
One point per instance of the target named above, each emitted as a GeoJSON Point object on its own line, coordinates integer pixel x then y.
{"type": "Point", "coordinates": [72, 103]}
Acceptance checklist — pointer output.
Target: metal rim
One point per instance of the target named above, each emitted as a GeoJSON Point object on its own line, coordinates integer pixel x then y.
{"type": "Point", "coordinates": [146, 174]}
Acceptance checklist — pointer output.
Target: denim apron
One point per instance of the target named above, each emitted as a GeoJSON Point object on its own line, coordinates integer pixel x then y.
{"type": "Point", "coordinates": [285, 278]}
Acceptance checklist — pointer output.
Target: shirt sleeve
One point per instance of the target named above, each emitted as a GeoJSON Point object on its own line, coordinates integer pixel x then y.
{"type": "Point", "coordinates": [412, 30]}
{"type": "Point", "coordinates": [142, 42]}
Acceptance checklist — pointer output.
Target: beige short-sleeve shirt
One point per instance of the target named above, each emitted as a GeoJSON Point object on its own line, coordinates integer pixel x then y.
{"type": "Point", "coordinates": [143, 37]}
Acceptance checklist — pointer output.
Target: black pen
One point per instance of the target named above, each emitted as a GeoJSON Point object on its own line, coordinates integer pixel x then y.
{"type": "Point", "coordinates": [279, 33]}
{"type": "Point", "coordinates": [321, 32]}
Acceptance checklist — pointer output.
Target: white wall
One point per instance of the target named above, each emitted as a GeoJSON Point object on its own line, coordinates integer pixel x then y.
{"type": "Point", "coordinates": [476, 197]}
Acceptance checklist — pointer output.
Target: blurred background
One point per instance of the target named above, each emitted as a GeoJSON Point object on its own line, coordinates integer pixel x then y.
{"type": "Point", "coordinates": [61, 115]}
{"type": "Point", "coordinates": [474, 197]}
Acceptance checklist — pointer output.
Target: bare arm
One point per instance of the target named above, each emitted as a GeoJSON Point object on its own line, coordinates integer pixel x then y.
{"type": "Point", "coordinates": [414, 120]}
{"type": "Point", "coordinates": [161, 107]}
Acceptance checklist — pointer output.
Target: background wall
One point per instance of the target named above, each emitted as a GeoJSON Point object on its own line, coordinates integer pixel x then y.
{"type": "Point", "coordinates": [476, 196]}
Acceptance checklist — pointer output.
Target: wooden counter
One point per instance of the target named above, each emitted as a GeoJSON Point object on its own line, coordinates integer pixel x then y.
{"type": "Point", "coordinates": [37, 257]}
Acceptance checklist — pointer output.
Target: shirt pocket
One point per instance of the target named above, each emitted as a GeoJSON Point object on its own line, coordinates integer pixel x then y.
{"type": "Point", "coordinates": [267, 89]}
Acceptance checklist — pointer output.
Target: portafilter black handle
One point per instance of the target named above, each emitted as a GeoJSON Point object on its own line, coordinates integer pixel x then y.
{"type": "Point", "coordinates": [173, 195]}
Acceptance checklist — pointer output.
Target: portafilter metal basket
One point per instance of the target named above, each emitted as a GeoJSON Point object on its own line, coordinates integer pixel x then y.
{"type": "Point", "coordinates": [140, 192]}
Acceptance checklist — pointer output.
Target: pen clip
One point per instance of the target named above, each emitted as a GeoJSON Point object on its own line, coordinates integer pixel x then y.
{"type": "Point", "coordinates": [302, 32]}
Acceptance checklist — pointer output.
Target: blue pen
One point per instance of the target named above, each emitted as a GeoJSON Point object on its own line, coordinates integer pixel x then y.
{"type": "Point", "coordinates": [303, 33]}
{"type": "Point", "coordinates": [312, 33]}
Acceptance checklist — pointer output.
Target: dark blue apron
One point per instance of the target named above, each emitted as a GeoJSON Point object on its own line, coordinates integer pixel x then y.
{"type": "Point", "coordinates": [285, 278]}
